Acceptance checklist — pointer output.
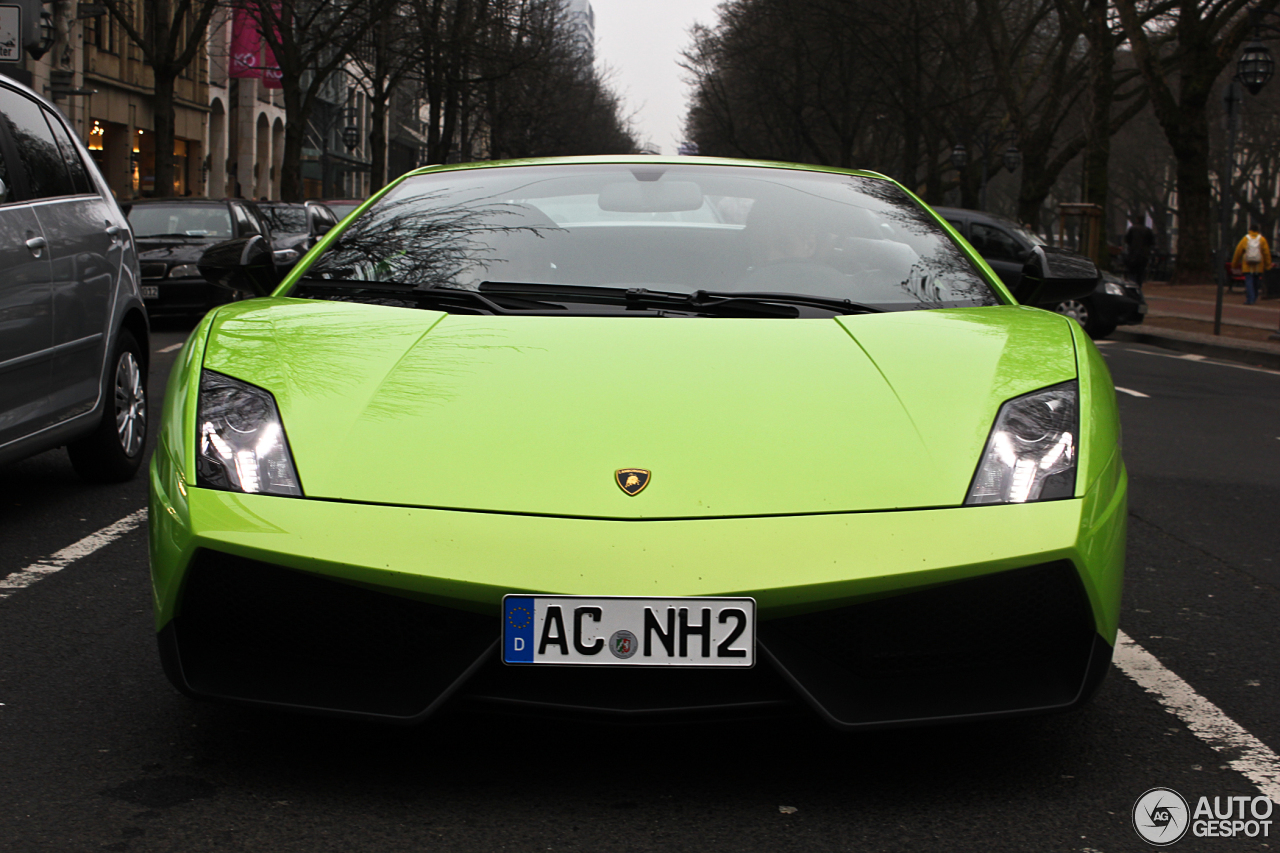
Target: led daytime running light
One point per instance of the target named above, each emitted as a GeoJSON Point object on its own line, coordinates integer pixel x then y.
{"type": "Point", "coordinates": [242, 446]}
{"type": "Point", "coordinates": [1031, 452]}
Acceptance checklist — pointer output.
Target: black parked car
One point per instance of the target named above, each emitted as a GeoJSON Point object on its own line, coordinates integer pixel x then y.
{"type": "Point", "coordinates": [295, 228]}
{"type": "Point", "coordinates": [172, 234]}
{"type": "Point", "coordinates": [1005, 245]}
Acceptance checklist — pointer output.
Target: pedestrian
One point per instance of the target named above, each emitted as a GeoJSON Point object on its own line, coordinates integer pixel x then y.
{"type": "Point", "coordinates": [1253, 257]}
{"type": "Point", "coordinates": [1138, 242]}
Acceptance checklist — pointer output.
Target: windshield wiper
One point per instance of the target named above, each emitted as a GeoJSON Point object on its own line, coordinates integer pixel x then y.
{"type": "Point", "coordinates": [360, 289]}
{"type": "Point", "coordinates": [724, 299]}
{"type": "Point", "coordinates": [719, 302]}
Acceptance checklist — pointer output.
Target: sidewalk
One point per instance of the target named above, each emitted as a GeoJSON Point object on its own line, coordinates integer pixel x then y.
{"type": "Point", "coordinates": [1180, 317]}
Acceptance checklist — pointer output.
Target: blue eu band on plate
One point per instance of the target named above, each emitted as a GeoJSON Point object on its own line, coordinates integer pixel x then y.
{"type": "Point", "coordinates": [619, 631]}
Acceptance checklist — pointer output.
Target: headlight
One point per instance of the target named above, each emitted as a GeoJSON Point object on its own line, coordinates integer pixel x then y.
{"type": "Point", "coordinates": [184, 271]}
{"type": "Point", "coordinates": [1031, 452]}
{"type": "Point", "coordinates": [286, 256]}
{"type": "Point", "coordinates": [1113, 288]}
{"type": "Point", "coordinates": [241, 445]}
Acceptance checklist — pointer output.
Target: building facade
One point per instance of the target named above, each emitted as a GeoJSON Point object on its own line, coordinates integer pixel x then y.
{"type": "Point", "coordinates": [97, 77]}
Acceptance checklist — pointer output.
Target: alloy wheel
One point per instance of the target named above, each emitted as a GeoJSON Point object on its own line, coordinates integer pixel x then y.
{"type": "Point", "coordinates": [131, 404]}
{"type": "Point", "coordinates": [1075, 309]}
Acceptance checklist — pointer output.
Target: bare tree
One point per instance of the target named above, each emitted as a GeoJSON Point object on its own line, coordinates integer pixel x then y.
{"type": "Point", "coordinates": [310, 39]}
{"type": "Point", "coordinates": [170, 36]}
{"type": "Point", "coordinates": [1181, 55]}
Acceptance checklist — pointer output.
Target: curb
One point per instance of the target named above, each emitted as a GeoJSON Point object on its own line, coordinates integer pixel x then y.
{"type": "Point", "coordinates": [1253, 353]}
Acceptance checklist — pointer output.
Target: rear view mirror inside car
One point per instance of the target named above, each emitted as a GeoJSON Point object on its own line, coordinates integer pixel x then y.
{"type": "Point", "coordinates": [651, 196]}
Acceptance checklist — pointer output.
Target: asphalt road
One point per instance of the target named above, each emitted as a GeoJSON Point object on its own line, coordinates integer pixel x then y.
{"type": "Point", "coordinates": [98, 752]}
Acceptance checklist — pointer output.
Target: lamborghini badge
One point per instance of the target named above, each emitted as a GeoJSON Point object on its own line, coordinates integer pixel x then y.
{"type": "Point", "coordinates": [632, 480]}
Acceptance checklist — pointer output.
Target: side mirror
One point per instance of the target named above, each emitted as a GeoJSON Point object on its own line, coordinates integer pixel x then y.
{"type": "Point", "coordinates": [1054, 275]}
{"type": "Point", "coordinates": [246, 264]}
{"type": "Point", "coordinates": [319, 225]}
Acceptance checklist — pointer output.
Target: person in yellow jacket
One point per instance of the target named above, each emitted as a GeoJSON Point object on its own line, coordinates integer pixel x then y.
{"type": "Point", "coordinates": [1253, 258]}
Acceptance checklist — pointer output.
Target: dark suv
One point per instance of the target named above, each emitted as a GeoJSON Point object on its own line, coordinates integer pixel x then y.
{"type": "Point", "coordinates": [74, 339]}
{"type": "Point", "coordinates": [1005, 245]}
{"type": "Point", "coordinates": [172, 234]}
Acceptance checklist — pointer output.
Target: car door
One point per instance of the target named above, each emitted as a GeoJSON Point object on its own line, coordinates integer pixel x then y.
{"type": "Point", "coordinates": [86, 248]}
{"type": "Point", "coordinates": [26, 300]}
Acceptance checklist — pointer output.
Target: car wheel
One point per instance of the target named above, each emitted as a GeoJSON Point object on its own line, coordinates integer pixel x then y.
{"type": "Point", "coordinates": [113, 452]}
{"type": "Point", "coordinates": [1082, 312]}
{"type": "Point", "coordinates": [1075, 309]}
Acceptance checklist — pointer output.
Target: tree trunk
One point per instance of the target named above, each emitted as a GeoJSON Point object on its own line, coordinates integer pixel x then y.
{"type": "Point", "coordinates": [1195, 197]}
{"type": "Point", "coordinates": [378, 138]}
{"type": "Point", "coordinates": [1097, 152]}
{"type": "Point", "coordinates": [163, 120]}
{"type": "Point", "coordinates": [294, 133]}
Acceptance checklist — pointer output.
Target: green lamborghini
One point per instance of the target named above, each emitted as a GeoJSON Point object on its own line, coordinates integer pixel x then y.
{"type": "Point", "coordinates": [640, 437]}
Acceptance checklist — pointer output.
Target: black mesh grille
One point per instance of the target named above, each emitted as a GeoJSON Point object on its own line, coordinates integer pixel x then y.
{"type": "Point", "coordinates": [1009, 641]}
{"type": "Point", "coordinates": [255, 631]}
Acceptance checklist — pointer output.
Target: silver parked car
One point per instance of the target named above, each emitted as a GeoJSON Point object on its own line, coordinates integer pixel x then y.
{"type": "Point", "coordinates": [74, 340]}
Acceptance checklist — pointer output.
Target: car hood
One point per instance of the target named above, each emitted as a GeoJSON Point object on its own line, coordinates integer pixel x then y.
{"type": "Point", "coordinates": [174, 251]}
{"type": "Point", "coordinates": [733, 417]}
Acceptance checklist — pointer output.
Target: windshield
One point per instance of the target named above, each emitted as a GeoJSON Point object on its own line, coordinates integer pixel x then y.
{"type": "Point", "coordinates": [674, 228]}
{"type": "Point", "coordinates": [284, 218]}
{"type": "Point", "coordinates": [1032, 239]}
{"type": "Point", "coordinates": [341, 209]}
{"type": "Point", "coordinates": [170, 220]}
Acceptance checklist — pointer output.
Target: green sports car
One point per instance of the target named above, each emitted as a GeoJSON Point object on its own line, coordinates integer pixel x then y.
{"type": "Point", "coordinates": [640, 437]}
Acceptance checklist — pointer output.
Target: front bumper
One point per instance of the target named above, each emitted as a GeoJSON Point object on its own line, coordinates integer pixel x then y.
{"type": "Point", "coordinates": [182, 296]}
{"type": "Point", "coordinates": [1126, 310]}
{"type": "Point", "coordinates": [871, 619]}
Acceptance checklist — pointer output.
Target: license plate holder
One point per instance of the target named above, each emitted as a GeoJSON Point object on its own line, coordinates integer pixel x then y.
{"type": "Point", "coordinates": [572, 630]}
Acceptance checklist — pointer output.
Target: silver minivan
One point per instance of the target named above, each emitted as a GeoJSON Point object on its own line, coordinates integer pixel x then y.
{"type": "Point", "coordinates": [74, 336]}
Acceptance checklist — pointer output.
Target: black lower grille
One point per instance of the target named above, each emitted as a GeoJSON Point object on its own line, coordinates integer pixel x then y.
{"type": "Point", "coordinates": [1013, 641]}
{"type": "Point", "coordinates": [153, 269]}
{"type": "Point", "coordinates": [258, 632]}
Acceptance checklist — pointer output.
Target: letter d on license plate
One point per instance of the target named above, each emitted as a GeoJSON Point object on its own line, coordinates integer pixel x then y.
{"type": "Point", "coordinates": [573, 630]}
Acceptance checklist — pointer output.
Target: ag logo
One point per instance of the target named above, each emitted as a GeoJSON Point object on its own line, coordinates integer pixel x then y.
{"type": "Point", "coordinates": [1161, 817]}
{"type": "Point", "coordinates": [632, 480]}
{"type": "Point", "coordinates": [623, 644]}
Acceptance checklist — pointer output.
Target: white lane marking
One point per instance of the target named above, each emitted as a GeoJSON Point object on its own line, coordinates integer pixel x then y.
{"type": "Point", "coordinates": [1245, 753]}
{"type": "Point", "coordinates": [1200, 359]}
{"type": "Point", "coordinates": [68, 555]}
{"type": "Point", "coordinates": [170, 348]}
{"type": "Point", "coordinates": [1131, 392]}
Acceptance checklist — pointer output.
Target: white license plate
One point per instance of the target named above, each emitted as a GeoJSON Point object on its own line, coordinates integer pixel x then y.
{"type": "Point", "coordinates": [573, 630]}
{"type": "Point", "coordinates": [150, 291]}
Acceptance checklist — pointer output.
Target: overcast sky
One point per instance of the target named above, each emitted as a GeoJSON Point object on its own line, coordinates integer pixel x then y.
{"type": "Point", "coordinates": [641, 42]}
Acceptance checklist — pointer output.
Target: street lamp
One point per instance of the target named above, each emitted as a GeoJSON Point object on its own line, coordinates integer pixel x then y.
{"type": "Point", "coordinates": [1255, 66]}
{"type": "Point", "coordinates": [351, 133]}
{"type": "Point", "coordinates": [48, 35]}
{"type": "Point", "coordinates": [987, 143]}
{"type": "Point", "coordinates": [1012, 158]}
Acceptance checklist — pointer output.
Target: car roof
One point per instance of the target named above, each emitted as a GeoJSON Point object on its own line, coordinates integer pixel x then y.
{"type": "Point", "coordinates": [28, 91]}
{"type": "Point", "coordinates": [976, 215]}
{"type": "Point", "coordinates": [185, 202]}
{"type": "Point", "coordinates": [640, 160]}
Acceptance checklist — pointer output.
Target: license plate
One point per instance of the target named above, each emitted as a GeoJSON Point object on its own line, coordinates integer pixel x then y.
{"type": "Point", "coordinates": [150, 291]}
{"type": "Point", "coordinates": [1142, 309]}
{"type": "Point", "coordinates": [572, 630]}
